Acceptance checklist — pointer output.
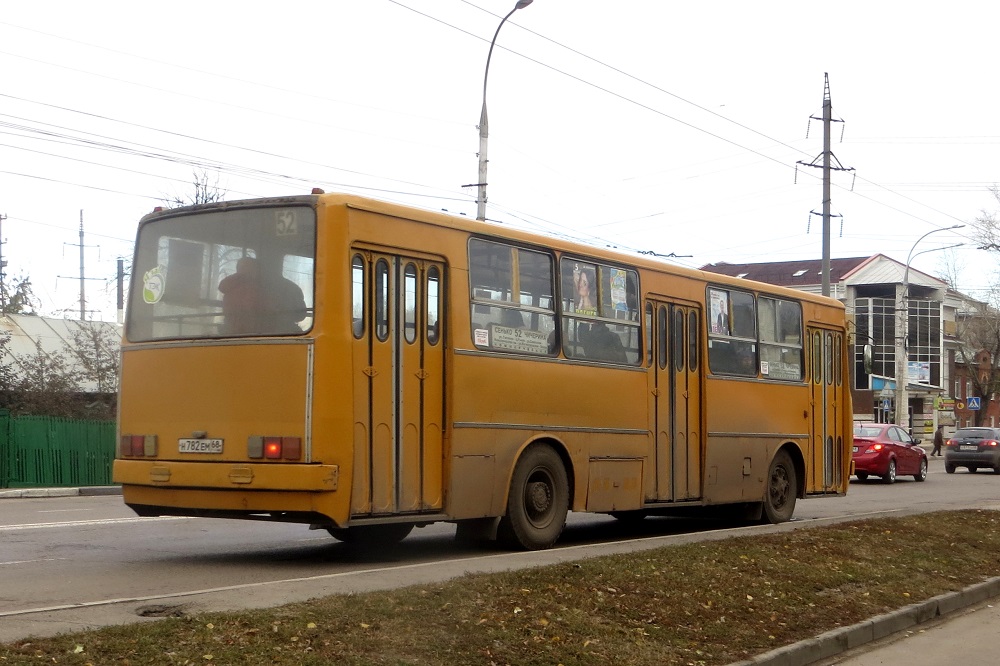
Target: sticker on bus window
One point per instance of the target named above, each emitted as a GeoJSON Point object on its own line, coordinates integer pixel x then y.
{"type": "Point", "coordinates": [152, 285]}
{"type": "Point", "coordinates": [285, 223]}
{"type": "Point", "coordinates": [481, 336]}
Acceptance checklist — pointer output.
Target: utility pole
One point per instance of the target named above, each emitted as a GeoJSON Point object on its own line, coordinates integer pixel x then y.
{"type": "Point", "coordinates": [827, 156]}
{"type": "Point", "coordinates": [82, 277]}
{"type": "Point", "coordinates": [3, 274]}
{"type": "Point", "coordinates": [83, 300]}
{"type": "Point", "coordinates": [121, 290]}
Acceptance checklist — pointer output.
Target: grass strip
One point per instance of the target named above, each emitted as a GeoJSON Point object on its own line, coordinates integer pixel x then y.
{"type": "Point", "coordinates": [696, 604]}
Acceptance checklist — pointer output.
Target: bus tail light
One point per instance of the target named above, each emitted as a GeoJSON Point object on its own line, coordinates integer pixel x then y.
{"type": "Point", "coordinates": [274, 448]}
{"type": "Point", "coordinates": [137, 446]}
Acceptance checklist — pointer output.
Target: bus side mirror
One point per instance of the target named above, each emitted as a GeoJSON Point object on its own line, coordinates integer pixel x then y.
{"type": "Point", "coordinates": [867, 355]}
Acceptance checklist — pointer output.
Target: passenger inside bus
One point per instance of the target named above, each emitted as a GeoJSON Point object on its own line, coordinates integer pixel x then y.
{"type": "Point", "coordinates": [601, 343]}
{"type": "Point", "coordinates": [254, 303]}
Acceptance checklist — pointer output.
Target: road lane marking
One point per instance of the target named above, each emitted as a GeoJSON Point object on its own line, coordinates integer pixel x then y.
{"type": "Point", "coordinates": [63, 510]}
{"type": "Point", "coordinates": [84, 523]}
{"type": "Point", "coordinates": [45, 559]}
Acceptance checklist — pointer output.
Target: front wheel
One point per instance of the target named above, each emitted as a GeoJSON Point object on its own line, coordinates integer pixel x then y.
{"type": "Point", "coordinates": [890, 473]}
{"type": "Point", "coordinates": [538, 500]}
{"type": "Point", "coordinates": [781, 491]}
{"type": "Point", "coordinates": [862, 476]}
{"type": "Point", "coordinates": [922, 474]}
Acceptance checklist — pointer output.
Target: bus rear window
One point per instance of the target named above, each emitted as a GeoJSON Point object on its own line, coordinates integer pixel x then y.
{"type": "Point", "coordinates": [233, 273]}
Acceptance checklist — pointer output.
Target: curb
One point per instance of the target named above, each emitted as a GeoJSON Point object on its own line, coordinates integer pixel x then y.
{"type": "Point", "coordinates": [837, 641]}
{"type": "Point", "coordinates": [17, 493]}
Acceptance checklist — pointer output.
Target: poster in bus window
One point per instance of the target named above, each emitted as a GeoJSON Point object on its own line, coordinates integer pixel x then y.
{"type": "Point", "coordinates": [619, 302]}
{"type": "Point", "coordinates": [719, 309]}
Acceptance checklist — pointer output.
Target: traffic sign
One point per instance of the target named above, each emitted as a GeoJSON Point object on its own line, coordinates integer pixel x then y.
{"type": "Point", "coordinates": [972, 403]}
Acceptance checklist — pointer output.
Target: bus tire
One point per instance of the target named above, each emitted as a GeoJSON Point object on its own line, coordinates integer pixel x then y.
{"type": "Point", "coordinates": [372, 536]}
{"type": "Point", "coordinates": [781, 490]}
{"type": "Point", "coordinates": [538, 500]}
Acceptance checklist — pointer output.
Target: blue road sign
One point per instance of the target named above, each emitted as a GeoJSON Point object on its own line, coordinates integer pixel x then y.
{"type": "Point", "coordinates": [972, 403]}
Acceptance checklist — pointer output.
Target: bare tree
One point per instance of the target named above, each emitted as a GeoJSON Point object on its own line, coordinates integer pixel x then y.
{"type": "Point", "coordinates": [206, 190]}
{"type": "Point", "coordinates": [45, 384]}
{"type": "Point", "coordinates": [979, 352]}
{"type": "Point", "coordinates": [949, 268]}
{"type": "Point", "coordinates": [987, 226]}
{"type": "Point", "coordinates": [16, 296]}
{"type": "Point", "coordinates": [979, 324]}
{"type": "Point", "coordinates": [95, 348]}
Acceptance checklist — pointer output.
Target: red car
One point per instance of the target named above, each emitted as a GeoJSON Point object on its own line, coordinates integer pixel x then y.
{"type": "Point", "coordinates": [886, 450]}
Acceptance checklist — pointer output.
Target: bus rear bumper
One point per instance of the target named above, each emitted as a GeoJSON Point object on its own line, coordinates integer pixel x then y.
{"type": "Point", "coordinates": [235, 490]}
{"type": "Point", "coordinates": [229, 476]}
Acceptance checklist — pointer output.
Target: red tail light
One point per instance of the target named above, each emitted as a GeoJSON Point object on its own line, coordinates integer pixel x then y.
{"type": "Point", "coordinates": [137, 446]}
{"type": "Point", "coordinates": [274, 448]}
{"type": "Point", "coordinates": [992, 442]}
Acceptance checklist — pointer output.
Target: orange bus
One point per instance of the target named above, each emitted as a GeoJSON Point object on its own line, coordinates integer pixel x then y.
{"type": "Point", "coordinates": [365, 368]}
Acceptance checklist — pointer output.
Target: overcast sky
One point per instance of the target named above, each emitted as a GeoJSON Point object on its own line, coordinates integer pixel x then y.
{"type": "Point", "coordinates": [649, 125]}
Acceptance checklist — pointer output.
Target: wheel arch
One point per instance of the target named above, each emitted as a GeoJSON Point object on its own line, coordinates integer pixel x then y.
{"type": "Point", "coordinates": [795, 453]}
{"type": "Point", "coordinates": [556, 445]}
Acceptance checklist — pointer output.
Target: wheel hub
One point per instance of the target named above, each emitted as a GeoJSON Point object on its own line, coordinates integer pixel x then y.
{"type": "Point", "coordinates": [539, 498]}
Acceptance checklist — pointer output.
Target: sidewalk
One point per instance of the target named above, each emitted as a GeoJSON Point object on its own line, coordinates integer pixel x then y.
{"type": "Point", "coordinates": [965, 631]}
{"type": "Point", "coordinates": [15, 493]}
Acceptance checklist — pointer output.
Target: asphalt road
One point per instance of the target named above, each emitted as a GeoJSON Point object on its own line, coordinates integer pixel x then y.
{"type": "Point", "coordinates": [69, 563]}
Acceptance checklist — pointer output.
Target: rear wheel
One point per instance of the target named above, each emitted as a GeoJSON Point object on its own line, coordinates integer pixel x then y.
{"type": "Point", "coordinates": [922, 474]}
{"type": "Point", "coordinates": [862, 476]}
{"type": "Point", "coordinates": [780, 494]}
{"type": "Point", "coordinates": [372, 536]}
{"type": "Point", "coordinates": [538, 500]}
{"type": "Point", "coordinates": [972, 469]}
{"type": "Point", "coordinates": [948, 467]}
{"type": "Point", "coordinates": [890, 473]}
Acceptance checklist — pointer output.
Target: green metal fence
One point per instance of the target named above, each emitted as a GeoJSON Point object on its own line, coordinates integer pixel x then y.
{"type": "Point", "coordinates": [44, 451]}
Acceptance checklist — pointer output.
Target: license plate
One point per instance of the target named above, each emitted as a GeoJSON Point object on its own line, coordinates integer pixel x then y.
{"type": "Point", "coordinates": [969, 447]}
{"type": "Point", "coordinates": [199, 445]}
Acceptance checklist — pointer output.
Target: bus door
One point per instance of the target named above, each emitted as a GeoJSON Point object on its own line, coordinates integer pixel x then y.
{"type": "Point", "coordinates": [398, 384]}
{"type": "Point", "coordinates": [675, 387]}
{"type": "Point", "coordinates": [826, 381]}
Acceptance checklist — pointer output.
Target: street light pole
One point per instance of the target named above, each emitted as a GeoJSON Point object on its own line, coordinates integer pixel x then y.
{"type": "Point", "coordinates": [901, 351]}
{"type": "Point", "coordinates": [484, 126]}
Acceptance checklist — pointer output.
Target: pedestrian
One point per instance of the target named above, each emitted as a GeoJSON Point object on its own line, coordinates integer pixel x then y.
{"type": "Point", "coordinates": [938, 440]}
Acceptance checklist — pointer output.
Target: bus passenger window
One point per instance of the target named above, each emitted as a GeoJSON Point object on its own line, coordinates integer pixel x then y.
{"type": "Point", "coordinates": [732, 340]}
{"type": "Point", "coordinates": [513, 303]}
{"type": "Point", "coordinates": [600, 312]}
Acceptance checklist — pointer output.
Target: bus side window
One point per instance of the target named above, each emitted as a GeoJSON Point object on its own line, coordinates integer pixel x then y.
{"type": "Point", "coordinates": [732, 343]}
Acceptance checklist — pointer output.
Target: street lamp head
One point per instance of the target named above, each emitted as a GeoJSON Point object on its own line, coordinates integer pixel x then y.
{"type": "Point", "coordinates": [521, 4]}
